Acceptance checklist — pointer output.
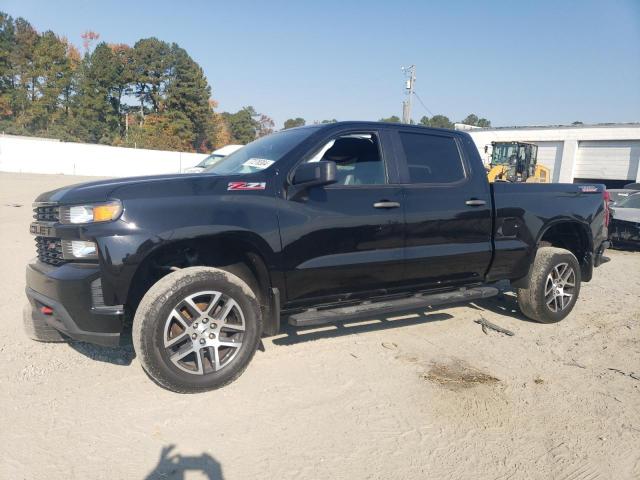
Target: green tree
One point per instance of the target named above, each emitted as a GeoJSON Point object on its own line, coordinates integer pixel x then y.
{"type": "Point", "coordinates": [471, 119]}
{"type": "Point", "coordinates": [294, 122]}
{"type": "Point", "coordinates": [52, 78]}
{"type": "Point", "coordinates": [243, 125]}
{"type": "Point", "coordinates": [97, 115]}
{"type": "Point", "coordinates": [23, 72]}
{"type": "Point", "coordinates": [7, 42]}
{"type": "Point", "coordinates": [188, 92]}
{"type": "Point", "coordinates": [152, 61]}
{"type": "Point", "coordinates": [333, 120]}
{"type": "Point", "coordinates": [391, 119]}
{"type": "Point", "coordinates": [440, 121]}
{"type": "Point", "coordinates": [46, 88]}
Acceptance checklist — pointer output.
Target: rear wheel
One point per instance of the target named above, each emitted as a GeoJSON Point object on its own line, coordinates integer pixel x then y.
{"type": "Point", "coordinates": [553, 286]}
{"type": "Point", "coordinates": [197, 329]}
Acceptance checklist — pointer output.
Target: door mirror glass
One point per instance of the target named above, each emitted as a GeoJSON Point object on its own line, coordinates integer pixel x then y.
{"type": "Point", "coordinates": [316, 173]}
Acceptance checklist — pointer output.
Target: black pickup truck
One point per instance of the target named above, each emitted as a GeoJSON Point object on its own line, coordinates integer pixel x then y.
{"type": "Point", "coordinates": [312, 225]}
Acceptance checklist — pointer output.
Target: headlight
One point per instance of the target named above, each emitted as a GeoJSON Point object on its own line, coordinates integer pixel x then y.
{"type": "Point", "coordinates": [99, 212]}
{"type": "Point", "coordinates": [72, 249]}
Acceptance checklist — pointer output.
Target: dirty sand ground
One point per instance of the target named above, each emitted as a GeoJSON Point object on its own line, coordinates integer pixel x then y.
{"type": "Point", "coordinates": [430, 396]}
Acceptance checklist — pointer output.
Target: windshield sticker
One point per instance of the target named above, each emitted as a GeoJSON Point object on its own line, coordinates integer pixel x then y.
{"type": "Point", "coordinates": [247, 186]}
{"type": "Point", "coordinates": [260, 163]}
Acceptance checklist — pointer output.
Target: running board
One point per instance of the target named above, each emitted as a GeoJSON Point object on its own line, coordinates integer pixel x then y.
{"type": "Point", "coordinates": [367, 309]}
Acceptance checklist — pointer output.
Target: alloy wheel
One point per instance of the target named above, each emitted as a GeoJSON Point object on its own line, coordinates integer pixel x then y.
{"type": "Point", "coordinates": [204, 332]}
{"type": "Point", "coordinates": [560, 287]}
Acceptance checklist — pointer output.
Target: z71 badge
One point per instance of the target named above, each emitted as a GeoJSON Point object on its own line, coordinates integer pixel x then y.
{"type": "Point", "coordinates": [246, 186]}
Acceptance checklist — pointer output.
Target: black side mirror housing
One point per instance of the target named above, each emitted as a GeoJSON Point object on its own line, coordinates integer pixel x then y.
{"type": "Point", "coordinates": [315, 173]}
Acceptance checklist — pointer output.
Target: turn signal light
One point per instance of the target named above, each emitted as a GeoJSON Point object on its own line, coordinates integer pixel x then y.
{"type": "Point", "coordinates": [46, 310]}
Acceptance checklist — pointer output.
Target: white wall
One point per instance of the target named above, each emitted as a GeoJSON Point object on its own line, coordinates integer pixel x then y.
{"type": "Point", "coordinates": [566, 141]}
{"type": "Point", "coordinates": [37, 155]}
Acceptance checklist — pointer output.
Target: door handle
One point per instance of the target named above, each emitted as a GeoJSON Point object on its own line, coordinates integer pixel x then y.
{"type": "Point", "coordinates": [386, 204]}
{"type": "Point", "coordinates": [474, 202]}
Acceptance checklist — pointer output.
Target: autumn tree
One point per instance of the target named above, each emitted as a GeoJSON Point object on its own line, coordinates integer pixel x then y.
{"type": "Point", "coordinates": [153, 95]}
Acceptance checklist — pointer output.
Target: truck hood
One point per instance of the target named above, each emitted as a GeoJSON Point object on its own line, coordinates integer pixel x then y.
{"type": "Point", "coordinates": [103, 190]}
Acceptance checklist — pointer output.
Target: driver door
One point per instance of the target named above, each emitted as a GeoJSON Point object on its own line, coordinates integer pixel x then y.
{"type": "Point", "coordinates": [347, 237]}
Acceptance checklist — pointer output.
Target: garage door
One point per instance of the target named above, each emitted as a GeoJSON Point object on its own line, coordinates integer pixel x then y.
{"type": "Point", "coordinates": [550, 155]}
{"type": "Point", "coordinates": [608, 160]}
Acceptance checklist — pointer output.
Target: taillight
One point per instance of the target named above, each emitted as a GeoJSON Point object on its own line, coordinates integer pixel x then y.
{"type": "Point", "coordinates": [607, 213]}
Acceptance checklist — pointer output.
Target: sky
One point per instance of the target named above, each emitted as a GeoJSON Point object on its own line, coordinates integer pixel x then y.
{"type": "Point", "coordinates": [513, 62]}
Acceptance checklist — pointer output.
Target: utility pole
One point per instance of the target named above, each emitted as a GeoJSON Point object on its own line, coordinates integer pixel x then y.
{"type": "Point", "coordinates": [410, 76]}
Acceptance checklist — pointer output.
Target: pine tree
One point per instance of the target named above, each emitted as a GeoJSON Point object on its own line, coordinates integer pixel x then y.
{"type": "Point", "coordinates": [188, 92]}
{"type": "Point", "coordinates": [96, 111]}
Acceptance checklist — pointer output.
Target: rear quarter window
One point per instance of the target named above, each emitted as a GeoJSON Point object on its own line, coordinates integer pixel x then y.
{"type": "Point", "coordinates": [432, 158]}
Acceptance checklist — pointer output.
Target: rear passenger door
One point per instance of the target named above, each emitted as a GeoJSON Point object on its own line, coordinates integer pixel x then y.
{"type": "Point", "coordinates": [447, 207]}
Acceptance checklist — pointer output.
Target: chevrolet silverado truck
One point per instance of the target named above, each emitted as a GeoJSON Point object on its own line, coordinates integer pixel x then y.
{"type": "Point", "coordinates": [310, 225]}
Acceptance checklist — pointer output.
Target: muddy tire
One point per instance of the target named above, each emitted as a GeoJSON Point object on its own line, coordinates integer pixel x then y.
{"type": "Point", "coordinates": [553, 286]}
{"type": "Point", "coordinates": [197, 329]}
{"type": "Point", "coordinates": [37, 329]}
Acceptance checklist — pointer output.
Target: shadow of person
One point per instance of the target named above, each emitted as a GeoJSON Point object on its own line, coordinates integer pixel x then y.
{"type": "Point", "coordinates": [175, 466]}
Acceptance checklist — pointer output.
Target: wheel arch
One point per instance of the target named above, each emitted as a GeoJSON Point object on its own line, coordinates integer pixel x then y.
{"type": "Point", "coordinates": [571, 235]}
{"type": "Point", "coordinates": [243, 253]}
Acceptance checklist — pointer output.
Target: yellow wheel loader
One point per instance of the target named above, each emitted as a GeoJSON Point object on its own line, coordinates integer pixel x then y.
{"type": "Point", "coordinates": [516, 162]}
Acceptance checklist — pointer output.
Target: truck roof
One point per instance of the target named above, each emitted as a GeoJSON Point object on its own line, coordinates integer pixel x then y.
{"type": "Point", "coordinates": [369, 124]}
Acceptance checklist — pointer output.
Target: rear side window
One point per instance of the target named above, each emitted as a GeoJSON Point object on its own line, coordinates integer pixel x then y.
{"type": "Point", "coordinates": [432, 158]}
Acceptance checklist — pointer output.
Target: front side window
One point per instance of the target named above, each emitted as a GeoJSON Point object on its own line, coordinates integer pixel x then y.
{"type": "Point", "coordinates": [432, 158]}
{"type": "Point", "coordinates": [357, 158]}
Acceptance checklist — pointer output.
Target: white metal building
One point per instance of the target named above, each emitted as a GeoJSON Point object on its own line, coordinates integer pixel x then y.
{"type": "Point", "coordinates": [608, 154]}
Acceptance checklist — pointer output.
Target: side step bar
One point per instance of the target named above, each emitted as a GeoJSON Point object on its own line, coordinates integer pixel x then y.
{"type": "Point", "coordinates": [368, 309]}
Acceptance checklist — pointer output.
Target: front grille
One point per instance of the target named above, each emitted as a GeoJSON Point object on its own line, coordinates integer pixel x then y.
{"type": "Point", "coordinates": [622, 230]}
{"type": "Point", "coordinates": [49, 250]}
{"type": "Point", "coordinates": [46, 213]}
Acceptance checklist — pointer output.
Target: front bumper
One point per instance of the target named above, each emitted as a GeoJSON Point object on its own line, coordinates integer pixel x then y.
{"type": "Point", "coordinates": [625, 233]}
{"type": "Point", "coordinates": [77, 311]}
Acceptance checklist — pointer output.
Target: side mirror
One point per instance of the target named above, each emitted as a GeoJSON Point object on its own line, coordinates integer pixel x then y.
{"type": "Point", "coordinates": [315, 173]}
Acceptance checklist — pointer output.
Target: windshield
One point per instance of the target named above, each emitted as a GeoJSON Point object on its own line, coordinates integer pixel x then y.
{"type": "Point", "coordinates": [210, 160]}
{"type": "Point", "coordinates": [261, 153]}
{"type": "Point", "coordinates": [503, 153]}
{"type": "Point", "coordinates": [633, 201]}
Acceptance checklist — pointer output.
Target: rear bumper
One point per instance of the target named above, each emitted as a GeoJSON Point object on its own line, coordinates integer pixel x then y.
{"type": "Point", "coordinates": [67, 290]}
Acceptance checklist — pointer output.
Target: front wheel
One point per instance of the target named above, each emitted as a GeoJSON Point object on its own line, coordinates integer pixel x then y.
{"type": "Point", "coordinates": [197, 329]}
{"type": "Point", "coordinates": [553, 286]}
